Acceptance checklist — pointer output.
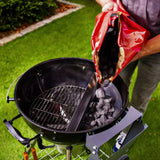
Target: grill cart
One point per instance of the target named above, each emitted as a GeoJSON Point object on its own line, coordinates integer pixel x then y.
{"type": "Point", "coordinates": [57, 100]}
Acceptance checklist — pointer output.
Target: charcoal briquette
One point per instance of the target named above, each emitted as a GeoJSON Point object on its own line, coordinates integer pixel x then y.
{"type": "Point", "coordinates": [100, 104]}
{"type": "Point", "coordinates": [107, 100]}
{"type": "Point", "coordinates": [111, 109]}
{"type": "Point", "coordinates": [100, 93]}
{"type": "Point", "coordinates": [106, 107]}
{"type": "Point", "coordinates": [97, 115]}
{"type": "Point", "coordinates": [105, 83]}
{"type": "Point", "coordinates": [93, 123]}
{"type": "Point", "coordinates": [99, 122]}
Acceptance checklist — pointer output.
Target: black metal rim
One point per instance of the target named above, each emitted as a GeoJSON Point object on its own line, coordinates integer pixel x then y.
{"type": "Point", "coordinates": [90, 131]}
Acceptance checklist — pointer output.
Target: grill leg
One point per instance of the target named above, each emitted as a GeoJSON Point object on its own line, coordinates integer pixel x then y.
{"type": "Point", "coordinates": [69, 149]}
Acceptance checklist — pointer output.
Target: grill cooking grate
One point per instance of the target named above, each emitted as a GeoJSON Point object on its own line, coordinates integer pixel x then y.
{"type": "Point", "coordinates": [54, 108]}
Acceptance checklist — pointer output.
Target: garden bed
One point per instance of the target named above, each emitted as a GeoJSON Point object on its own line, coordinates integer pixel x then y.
{"type": "Point", "coordinates": [61, 7]}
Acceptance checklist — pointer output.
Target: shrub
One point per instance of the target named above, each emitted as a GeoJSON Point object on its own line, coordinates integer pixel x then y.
{"type": "Point", "coordinates": [15, 12]}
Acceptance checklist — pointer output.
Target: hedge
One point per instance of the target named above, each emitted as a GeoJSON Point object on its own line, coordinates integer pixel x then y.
{"type": "Point", "coordinates": [15, 12]}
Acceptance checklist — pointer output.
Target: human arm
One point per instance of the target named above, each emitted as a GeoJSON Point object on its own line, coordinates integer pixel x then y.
{"type": "Point", "coordinates": [152, 46]}
{"type": "Point", "coordinates": [107, 5]}
{"type": "Point", "coordinates": [103, 2]}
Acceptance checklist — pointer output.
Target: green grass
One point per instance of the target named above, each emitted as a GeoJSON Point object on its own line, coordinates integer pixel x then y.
{"type": "Point", "coordinates": [66, 37]}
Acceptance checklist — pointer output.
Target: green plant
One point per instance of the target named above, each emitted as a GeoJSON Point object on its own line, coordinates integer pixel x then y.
{"type": "Point", "coordinates": [15, 12]}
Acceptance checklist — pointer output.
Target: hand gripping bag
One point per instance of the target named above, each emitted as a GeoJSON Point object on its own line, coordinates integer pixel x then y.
{"type": "Point", "coordinates": [115, 41]}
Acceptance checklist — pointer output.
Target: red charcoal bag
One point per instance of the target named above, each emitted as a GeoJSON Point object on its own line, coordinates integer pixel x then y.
{"type": "Point", "coordinates": [115, 41]}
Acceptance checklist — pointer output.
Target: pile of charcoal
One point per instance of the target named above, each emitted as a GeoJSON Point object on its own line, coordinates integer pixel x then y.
{"type": "Point", "coordinates": [104, 108]}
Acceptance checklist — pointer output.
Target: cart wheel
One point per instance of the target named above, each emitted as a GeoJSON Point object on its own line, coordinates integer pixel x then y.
{"type": "Point", "coordinates": [124, 157]}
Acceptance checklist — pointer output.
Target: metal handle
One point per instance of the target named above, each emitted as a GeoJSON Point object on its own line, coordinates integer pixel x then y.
{"type": "Point", "coordinates": [7, 96]}
{"type": "Point", "coordinates": [9, 99]}
{"type": "Point", "coordinates": [16, 133]}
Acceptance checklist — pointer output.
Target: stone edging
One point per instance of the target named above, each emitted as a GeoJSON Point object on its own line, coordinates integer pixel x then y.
{"type": "Point", "coordinates": [41, 23]}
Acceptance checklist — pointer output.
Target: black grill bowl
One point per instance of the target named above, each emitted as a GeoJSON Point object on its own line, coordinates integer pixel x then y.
{"type": "Point", "coordinates": [53, 73]}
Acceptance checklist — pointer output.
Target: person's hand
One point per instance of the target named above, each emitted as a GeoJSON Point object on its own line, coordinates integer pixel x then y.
{"type": "Point", "coordinates": [107, 5]}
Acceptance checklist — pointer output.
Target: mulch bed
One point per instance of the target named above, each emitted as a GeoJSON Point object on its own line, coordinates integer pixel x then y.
{"type": "Point", "coordinates": [61, 8]}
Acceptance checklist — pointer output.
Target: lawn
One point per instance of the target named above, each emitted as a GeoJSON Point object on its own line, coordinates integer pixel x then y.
{"type": "Point", "coordinates": [66, 37]}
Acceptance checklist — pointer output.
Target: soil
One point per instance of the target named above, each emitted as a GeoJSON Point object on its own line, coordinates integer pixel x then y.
{"type": "Point", "coordinates": [61, 8]}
